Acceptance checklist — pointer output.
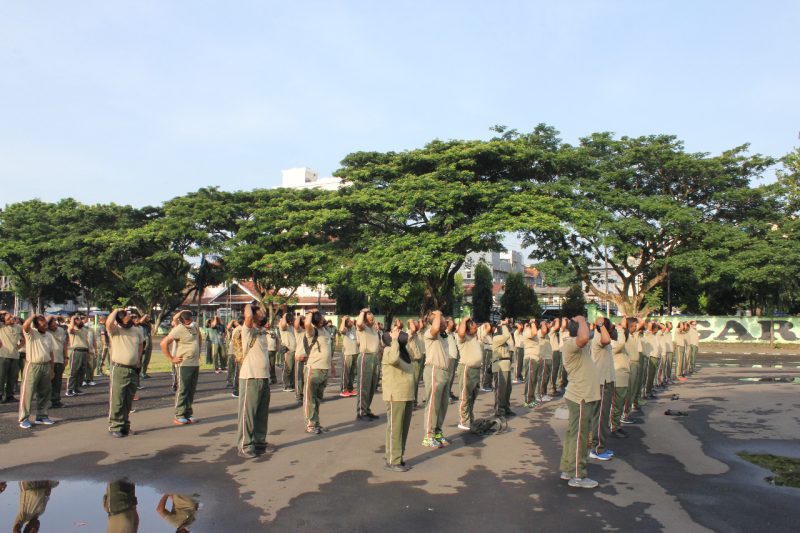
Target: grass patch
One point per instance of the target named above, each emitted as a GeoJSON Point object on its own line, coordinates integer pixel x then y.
{"type": "Point", "coordinates": [786, 470]}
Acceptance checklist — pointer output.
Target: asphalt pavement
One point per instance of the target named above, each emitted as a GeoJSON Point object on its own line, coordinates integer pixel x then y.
{"type": "Point", "coordinates": [673, 473]}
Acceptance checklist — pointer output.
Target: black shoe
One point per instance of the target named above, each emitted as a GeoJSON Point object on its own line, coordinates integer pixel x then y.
{"type": "Point", "coordinates": [247, 454]}
{"type": "Point", "coordinates": [128, 432]}
{"type": "Point", "coordinates": [363, 418]}
{"type": "Point", "coordinates": [620, 434]}
{"type": "Point", "coordinates": [372, 416]}
{"type": "Point", "coordinates": [145, 376]}
{"type": "Point", "coordinates": [116, 434]}
{"type": "Point", "coordinates": [510, 413]}
{"type": "Point", "coordinates": [7, 400]}
{"type": "Point", "coordinates": [396, 468]}
{"type": "Point", "coordinates": [453, 398]}
{"type": "Point", "coordinates": [651, 396]}
{"type": "Point", "coordinates": [57, 405]}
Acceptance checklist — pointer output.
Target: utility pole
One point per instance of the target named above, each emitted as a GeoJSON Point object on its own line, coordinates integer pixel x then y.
{"type": "Point", "coordinates": [669, 293]}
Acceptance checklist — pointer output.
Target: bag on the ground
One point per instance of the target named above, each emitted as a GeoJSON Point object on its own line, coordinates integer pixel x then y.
{"type": "Point", "coordinates": [489, 426]}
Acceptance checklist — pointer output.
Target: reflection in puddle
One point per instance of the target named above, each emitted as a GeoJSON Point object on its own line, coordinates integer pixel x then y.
{"type": "Point", "coordinates": [119, 506]}
{"type": "Point", "coordinates": [772, 379]}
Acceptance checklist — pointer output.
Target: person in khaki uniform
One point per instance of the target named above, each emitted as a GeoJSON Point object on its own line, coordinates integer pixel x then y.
{"type": "Point", "coordinates": [485, 333]}
{"type": "Point", "coordinates": [38, 374]}
{"type": "Point", "coordinates": [679, 345]}
{"type": "Point", "coordinates": [693, 342]}
{"type": "Point", "coordinates": [634, 354]}
{"type": "Point", "coordinates": [10, 342]}
{"type": "Point", "coordinates": [126, 348]}
{"type": "Point", "coordinates": [317, 346]}
{"type": "Point", "coordinates": [184, 508]}
{"type": "Point", "coordinates": [416, 349]}
{"type": "Point", "coordinates": [651, 348]}
{"type": "Point", "coordinates": [33, 498]}
{"type": "Point", "coordinates": [437, 379]}
{"type": "Point", "coordinates": [288, 347]}
{"type": "Point", "coordinates": [453, 355]}
{"type": "Point", "coordinates": [468, 371]}
{"type": "Point", "coordinates": [349, 356]}
{"type": "Point", "coordinates": [600, 349]}
{"type": "Point", "coordinates": [622, 373]}
{"type": "Point", "coordinates": [558, 374]}
{"type": "Point", "coordinates": [532, 341]}
{"type": "Point", "coordinates": [120, 502]}
{"type": "Point", "coordinates": [398, 396]}
{"type": "Point", "coordinates": [254, 393]}
{"type": "Point", "coordinates": [502, 350]}
{"type": "Point", "coordinates": [544, 378]}
{"type": "Point", "coordinates": [300, 358]}
{"type": "Point", "coordinates": [79, 346]}
{"type": "Point", "coordinates": [273, 345]}
{"type": "Point", "coordinates": [186, 337]}
{"type": "Point", "coordinates": [581, 394]}
{"type": "Point", "coordinates": [59, 340]}
{"type": "Point", "coordinates": [368, 348]}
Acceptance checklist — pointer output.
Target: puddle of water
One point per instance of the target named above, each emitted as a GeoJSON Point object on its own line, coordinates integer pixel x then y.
{"type": "Point", "coordinates": [772, 379]}
{"type": "Point", "coordinates": [87, 507]}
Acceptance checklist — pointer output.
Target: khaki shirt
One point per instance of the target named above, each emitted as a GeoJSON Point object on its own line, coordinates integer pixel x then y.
{"type": "Point", "coordinates": [435, 350]}
{"type": "Point", "coordinates": [452, 345]}
{"type": "Point", "coordinates": [398, 376]}
{"type": "Point", "coordinates": [680, 340]}
{"type": "Point", "coordinates": [692, 336]}
{"type": "Point", "coordinates": [552, 336]}
{"type": "Point", "coordinates": [530, 345]}
{"type": "Point", "coordinates": [272, 341]}
{"type": "Point", "coordinates": [500, 353]}
{"type": "Point", "coordinates": [622, 364]}
{"type": "Point", "coordinates": [368, 341]}
{"type": "Point", "coordinates": [413, 347]}
{"type": "Point", "coordinates": [125, 345]}
{"type": "Point", "coordinates": [184, 511]}
{"type": "Point", "coordinates": [667, 341]}
{"type": "Point", "coordinates": [39, 346]}
{"type": "Point", "coordinates": [289, 340]}
{"type": "Point", "coordinates": [583, 380]}
{"type": "Point", "coordinates": [603, 360]}
{"type": "Point", "coordinates": [632, 347]}
{"type": "Point", "coordinates": [349, 342]}
{"type": "Point", "coordinates": [300, 349]}
{"type": "Point", "coordinates": [188, 348]}
{"type": "Point", "coordinates": [650, 345]}
{"type": "Point", "coordinates": [10, 336]}
{"type": "Point", "coordinates": [59, 339]}
{"type": "Point", "coordinates": [545, 347]}
{"type": "Point", "coordinates": [255, 364]}
{"type": "Point", "coordinates": [79, 338]}
{"type": "Point", "coordinates": [320, 356]}
{"type": "Point", "coordinates": [471, 351]}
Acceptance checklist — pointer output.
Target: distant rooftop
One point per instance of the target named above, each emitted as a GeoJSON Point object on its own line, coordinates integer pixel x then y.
{"type": "Point", "coordinates": [307, 178]}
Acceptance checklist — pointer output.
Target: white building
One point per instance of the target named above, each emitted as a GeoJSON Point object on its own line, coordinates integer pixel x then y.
{"type": "Point", "coordinates": [501, 263]}
{"type": "Point", "coordinates": [306, 178]}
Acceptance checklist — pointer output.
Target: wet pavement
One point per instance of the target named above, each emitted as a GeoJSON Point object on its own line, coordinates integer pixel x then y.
{"type": "Point", "coordinates": [673, 473]}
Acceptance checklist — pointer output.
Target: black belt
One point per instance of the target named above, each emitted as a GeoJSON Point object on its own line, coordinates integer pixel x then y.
{"type": "Point", "coordinates": [504, 359]}
{"type": "Point", "coordinates": [127, 366]}
{"type": "Point", "coordinates": [80, 349]}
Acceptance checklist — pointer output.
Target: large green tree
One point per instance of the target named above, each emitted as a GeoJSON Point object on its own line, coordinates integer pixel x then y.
{"type": "Point", "coordinates": [519, 300]}
{"type": "Point", "coordinates": [640, 201]}
{"type": "Point", "coordinates": [419, 213]}
{"type": "Point", "coordinates": [482, 298]}
{"type": "Point", "coordinates": [574, 303]}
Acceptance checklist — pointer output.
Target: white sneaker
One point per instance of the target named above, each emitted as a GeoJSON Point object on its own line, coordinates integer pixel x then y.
{"type": "Point", "coordinates": [92, 383]}
{"type": "Point", "coordinates": [546, 398]}
{"type": "Point", "coordinates": [582, 483]}
{"type": "Point", "coordinates": [84, 384]}
{"type": "Point", "coordinates": [566, 476]}
{"type": "Point", "coordinates": [462, 426]}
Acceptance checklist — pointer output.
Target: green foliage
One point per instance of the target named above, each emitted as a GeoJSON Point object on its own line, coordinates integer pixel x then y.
{"type": "Point", "coordinates": [417, 214]}
{"type": "Point", "coordinates": [574, 303]}
{"type": "Point", "coordinates": [519, 300]}
{"type": "Point", "coordinates": [557, 273]}
{"type": "Point", "coordinates": [644, 200]}
{"type": "Point", "coordinates": [482, 293]}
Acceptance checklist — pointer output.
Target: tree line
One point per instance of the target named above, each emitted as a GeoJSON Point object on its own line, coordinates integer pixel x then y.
{"type": "Point", "coordinates": [399, 230]}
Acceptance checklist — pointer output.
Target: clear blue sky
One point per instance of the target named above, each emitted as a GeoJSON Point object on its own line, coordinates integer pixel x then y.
{"type": "Point", "coordinates": [137, 102]}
